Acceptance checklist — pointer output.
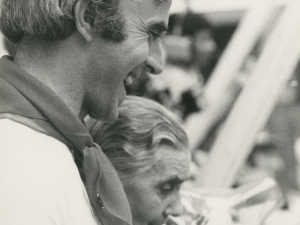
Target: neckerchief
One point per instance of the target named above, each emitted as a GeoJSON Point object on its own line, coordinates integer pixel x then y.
{"type": "Point", "coordinates": [23, 95]}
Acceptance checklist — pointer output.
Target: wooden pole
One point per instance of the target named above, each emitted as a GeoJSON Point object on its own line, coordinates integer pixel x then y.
{"type": "Point", "coordinates": [256, 101]}
{"type": "Point", "coordinates": [218, 92]}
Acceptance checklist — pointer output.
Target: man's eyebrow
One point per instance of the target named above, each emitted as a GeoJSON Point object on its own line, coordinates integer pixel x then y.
{"type": "Point", "coordinates": [159, 27]}
{"type": "Point", "coordinates": [158, 2]}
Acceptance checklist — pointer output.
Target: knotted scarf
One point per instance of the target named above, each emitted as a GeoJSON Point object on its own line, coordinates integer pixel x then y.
{"type": "Point", "coordinates": [23, 95]}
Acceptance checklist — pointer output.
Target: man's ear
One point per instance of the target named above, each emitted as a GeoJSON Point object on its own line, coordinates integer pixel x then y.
{"type": "Point", "coordinates": [82, 26]}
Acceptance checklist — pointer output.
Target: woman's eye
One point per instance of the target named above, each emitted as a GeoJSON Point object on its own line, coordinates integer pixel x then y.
{"type": "Point", "coordinates": [166, 189]}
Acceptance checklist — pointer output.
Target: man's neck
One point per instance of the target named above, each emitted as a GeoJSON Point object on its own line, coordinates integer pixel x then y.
{"type": "Point", "coordinates": [56, 65]}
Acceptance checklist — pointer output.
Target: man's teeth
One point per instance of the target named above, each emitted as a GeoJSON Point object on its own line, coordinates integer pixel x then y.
{"type": "Point", "coordinates": [128, 80]}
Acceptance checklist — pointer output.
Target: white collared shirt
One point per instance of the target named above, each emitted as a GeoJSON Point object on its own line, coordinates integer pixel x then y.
{"type": "Point", "coordinates": [39, 181]}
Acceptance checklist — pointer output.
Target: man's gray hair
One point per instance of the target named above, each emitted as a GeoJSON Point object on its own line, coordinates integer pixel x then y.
{"type": "Point", "coordinates": [131, 142]}
{"type": "Point", "coordinates": [55, 19]}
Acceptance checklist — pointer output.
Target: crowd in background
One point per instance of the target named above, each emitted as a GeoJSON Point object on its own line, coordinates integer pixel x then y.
{"type": "Point", "coordinates": [192, 51]}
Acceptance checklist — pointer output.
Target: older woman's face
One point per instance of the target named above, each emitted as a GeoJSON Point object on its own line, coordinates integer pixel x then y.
{"type": "Point", "coordinates": [154, 194]}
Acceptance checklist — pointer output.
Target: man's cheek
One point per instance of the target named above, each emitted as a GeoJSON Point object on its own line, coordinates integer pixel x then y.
{"type": "Point", "coordinates": [140, 42]}
{"type": "Point", "coordinates": [140, 53]}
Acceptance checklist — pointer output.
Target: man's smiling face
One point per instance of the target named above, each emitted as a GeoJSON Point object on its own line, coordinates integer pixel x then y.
{"type": "Point", "coordinates": [118, 64]}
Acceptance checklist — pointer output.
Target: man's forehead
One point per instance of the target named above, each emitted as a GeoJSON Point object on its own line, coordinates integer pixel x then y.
{"type": "Point", "coordinates": [155, 2]}
{"type": "Point", "coordinates": [156, 8]}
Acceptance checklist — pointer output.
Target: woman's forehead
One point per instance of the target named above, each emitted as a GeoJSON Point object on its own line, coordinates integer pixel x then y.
{"type": "Point", "coordinates": [171, 163]}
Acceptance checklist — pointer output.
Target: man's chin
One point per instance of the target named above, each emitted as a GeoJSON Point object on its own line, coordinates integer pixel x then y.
{"type": "Point", "coordinates": [144, 223]}
{"type": "Point", "coordinates": [122, 98]}
{"type": "Point", "coordinates": [113, 113]}
{"type": "Point", "coordinates": [112, 117]}
{"type": "Point", "coordinates": [155, 223]}
{"type": "Point", "coordinates": [109, 117]}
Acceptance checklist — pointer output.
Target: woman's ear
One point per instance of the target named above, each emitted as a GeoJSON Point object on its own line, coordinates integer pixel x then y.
{"type": "Point", "coordinates": [83, 27]}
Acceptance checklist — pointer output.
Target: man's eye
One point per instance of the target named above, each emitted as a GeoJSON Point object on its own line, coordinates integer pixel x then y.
{"type": "Point", "coordinates": [156, 35]}
{"type": "Point", "coordinates": [153, 35]}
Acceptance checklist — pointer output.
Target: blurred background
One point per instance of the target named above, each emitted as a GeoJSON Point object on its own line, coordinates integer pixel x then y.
{"type": "Point", "coordinates": [232, 76]}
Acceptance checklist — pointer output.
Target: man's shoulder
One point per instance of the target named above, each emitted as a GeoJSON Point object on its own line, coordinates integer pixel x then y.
{"type": "Point", "coordinates": [18, 140]}
{"type": "Point", "coordinates": [36, 148]}
{"type": "Point", "coordinates": [12, 133]}
{"type": "Point", "coordinates": [39, 176]}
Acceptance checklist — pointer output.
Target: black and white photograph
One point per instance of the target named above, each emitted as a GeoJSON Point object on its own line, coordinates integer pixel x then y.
{"type": "Point", "coordinates": [149, 112]}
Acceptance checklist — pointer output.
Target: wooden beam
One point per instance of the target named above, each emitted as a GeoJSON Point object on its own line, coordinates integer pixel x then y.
{"type": "Point", "coordinates": [219, 93]}
{"type": "Point", "coordinates": [256, 101]}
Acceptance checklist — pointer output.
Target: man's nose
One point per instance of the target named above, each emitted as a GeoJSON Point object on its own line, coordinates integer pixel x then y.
{"type": "Point", "coordinates": [155, 59]}
{"type": "Point", "coordinates": [175, 208]}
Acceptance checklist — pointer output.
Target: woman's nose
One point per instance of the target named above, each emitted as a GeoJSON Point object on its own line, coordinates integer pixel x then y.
{"type": "Point", "coordinates": [174, 209]}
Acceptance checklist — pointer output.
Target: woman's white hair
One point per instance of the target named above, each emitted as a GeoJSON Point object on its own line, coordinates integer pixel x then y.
{"type": "Point", "coordinates": [131, 141]}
